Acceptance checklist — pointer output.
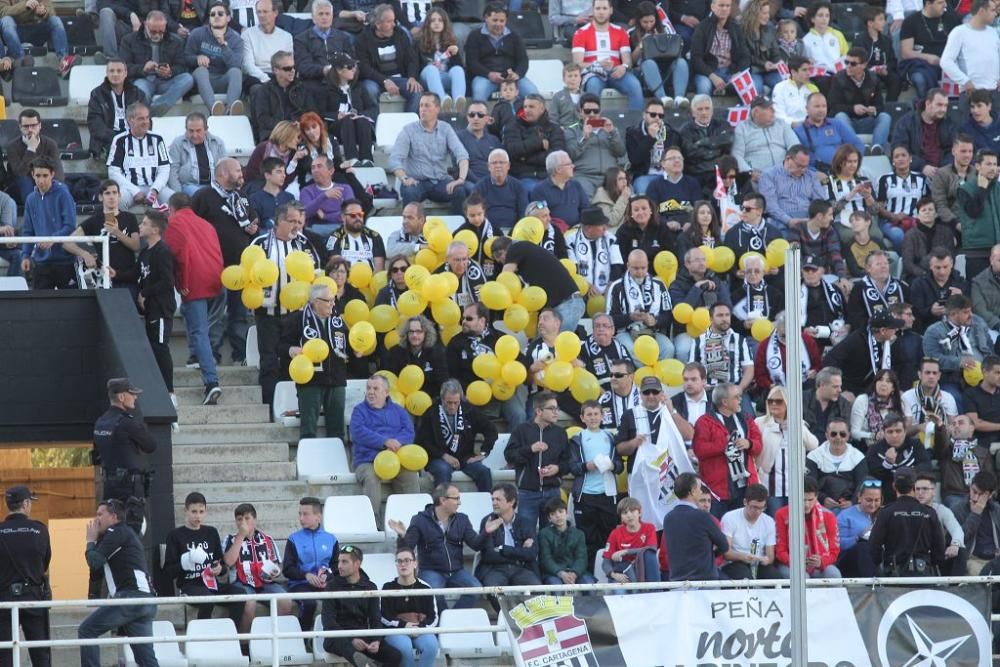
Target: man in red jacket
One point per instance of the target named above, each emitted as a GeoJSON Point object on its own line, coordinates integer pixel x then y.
{"type": "Point", "coordinates": [726, 443]}
{"type": "Point", "coordinates": [822, 537]}
{"type": "Point", "coordinates": [198, 266]}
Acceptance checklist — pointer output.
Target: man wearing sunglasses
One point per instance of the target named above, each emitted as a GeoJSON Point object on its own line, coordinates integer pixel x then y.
{"type": "Point", "coordinates": [260, 41]}
{"type": "Point", "coordinates": [594, 143]}
{"type": "Point", "coordinates": [646, 143]}
{"type": "Point", "coordinates": [478, 140]}
{"type": "Point", "coordinates": [855, 97]}
{"type": "Point", "coordinates": [214, 52]}
{"type": "Point", "coordinates": [838, 467]}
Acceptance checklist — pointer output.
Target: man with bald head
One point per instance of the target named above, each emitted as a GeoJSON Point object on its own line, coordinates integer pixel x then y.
{"type": "Point", "coordinates": [228, 211]}
{"type": "Point", "coordinates": [639, 304]}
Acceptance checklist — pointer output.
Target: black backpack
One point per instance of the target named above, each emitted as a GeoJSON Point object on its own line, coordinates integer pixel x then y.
{"type": "Point", "coordinates": [37, 87]}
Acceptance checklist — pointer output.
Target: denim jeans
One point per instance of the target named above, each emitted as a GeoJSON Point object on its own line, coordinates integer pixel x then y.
{"type": "Point", "coordinates": [230, 83]}
{"type": "Point", "coordinates": [137, 620]}
{"type": "Point", "coordinates": [195, 314]}
{"type": "Point", "coordinates": [878, 126]}
{"type": "Point", "coordinates": [13, 258]}
{"type": "Point", "coordinates": [893, 233]}
{"type": "Point", "coordinates": [50, 30]}
{"type": "Point", "coordinates": [769, 79]}
{"type": "Point", "coordinates": [441, 471]}
{"type": "Point", "coordinates": [553, 580]}
{"type": "Point", "coordinates": [666, 346]}
{"type": "Point", "coordinates": [654, 73]}
{"type": "Point", "coordinates": [412, 99]}
{"type": "Point", "coordinates": [530, 503]}
{"type": "Point", "coordinates": [435, 191]}
{"type": "Point", "coordinates": [628, 85]}
{"type": "Point", "coordinates": [570, 311]}
{"type": "Point", "coordinates": [703, 85]}
{"type": "Point", "coordinates": [169, 91]}
{"type": "Point", "coordinates": [231, 323]}
{"type": "Point", "coordinates": [482, 88]}
{"type": "Point", "coordinates": [426, 646]}
{"type": "Point", "coordinates": [460, 578]}
{"type": "Point", "coordinates": [448, 82]}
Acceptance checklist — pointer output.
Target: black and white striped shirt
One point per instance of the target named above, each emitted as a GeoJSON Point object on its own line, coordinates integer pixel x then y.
{"type": "Point", "coordinates": [723, 355]}
{"type": "Point", "coordinates": [364, 247]}
{"type": "Point", "coordinates": [277, 250]}
{"type": "Point", "coordinates": [838, 189]}
{"type": "Point", "coordinates": [143, 162]}
{"type": "Point", "coordinates": [244, 13]}
{"type": "Point", "coordinates": [900, 193]}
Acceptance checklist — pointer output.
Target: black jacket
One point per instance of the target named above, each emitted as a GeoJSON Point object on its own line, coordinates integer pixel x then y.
{"type": "Point", "coordinates": [924, 293]}
{"type": "Point", "coordinates": [496, 553]}
{"type": "Point", "coordinates": [523, 142]}
{"type": "Point", "coordinates": [24, 557]}
{"type": "Point", "coordinates": [909, 131]}
{"type": "Point", "coordinates": [852, 357]}
{"type": "Point", "coordinates": [912, 455]}
{"type": "Point", "coordinates": [482, 57]}
{"type": "Point", "coordinates": [810, 407]}
{"type": "Point", "coordinates": [268, 106]}
{"type": "Point", "coordinates": [526, 462]}
{"type": "Point", "coordinates": [703, 62]}
{"type": "Point", "coordinates": [312, 53]}
{"type": "Point", "coordinates": [361, 100]}
{"type": "Point", "coordinates": [101, 114]}
{"type": "Point", "coordinates": [351, 613]}
{"type": "Point", "coordinates": [156, 282]}
{"type": "Point", "coordinates": [369, 65]}
{"type": "Point", "coordinates": [437, 549]}
{"type": "Point", "coordinates": [655, 238]}
{"type": "Point", "coordinates": [136, 50]}
{"type": "Point", "coordinates": [394, 607]}
{"type": "Point", "coordinates": [844, 94]}
{"type": "Point", "coordinates": [696, 8]}
{"type": "Point", "coordinates": [906, 528]}
{"type": "Point", "coordinates": [703, 146]}
{"type": "Point", "coordinates": [971, 522]}
{"type": "Point", "coordinates": [432, 439]}
{"type": "Point", "coordinates": [639, 145]}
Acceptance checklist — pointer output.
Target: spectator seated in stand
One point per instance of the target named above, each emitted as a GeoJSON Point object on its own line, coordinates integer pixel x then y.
{"type": "Point", "coordinates": [163, 80]}
{"type": "Point", "coordinates": [822, 539]}
{"type": "Point", "coordinates": [25, 149]}
{"type": "Point", "coordinates": [752, 538]}
{"type": "Point", "coordinates": [562, 548]}
{"type": "Point", "coordinates": [193, 156]}
{"type": "Point", "coordinates": [630, 554]}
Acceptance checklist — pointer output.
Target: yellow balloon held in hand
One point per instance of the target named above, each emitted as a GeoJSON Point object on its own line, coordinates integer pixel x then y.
{"type": "Point", "coordinates": [513, 373]}
{"type": "Point", "coordinates": [452, 280]}
{"type": "Point", "coordinates": [412, 457]}
{"type": "Point", "coordinates": [973, 376]}
{"type": "Point", "coordinates": [701, 318]}
{"type": "Point", "coordinates": [438, 239]}
{"type": "Point", "coordinates": [567, 346]}
{"type": "Point", "coordinates": [294, 296]}
{"type": "Point", "coordinates": [301, 369]}
{"type": "Point", "coordinates": [503, 391]}
{"type": "Point", "coordinates": [486, 366]}
{"type": "Point", "coordinates": [533, 298]}
{"type": "Point", "coordinates": [559, 375]}
{"type": "Point", "coordinates": [251, 255]}
{"type": "Point", "coordinates": [670, 372]}
{"type": "Point", "coordinates": [390, 340]}
{"type": "Point", "coordinates": [299, 265]}
{"type": "Point", "coordinates": [683, 313]}
{"type": "Point", "coordinates": [446, 313]}
{"type": "Point", "coordinates": [723, 259]}
{"type": "Point", "coordinates": [468, 237]}
{"type": "Point", "coordinates": [495, 296]}
{"type": "Point", "coordinates": [479, 393]}
{"type": "Point", "coordinates": [379, 280]}
{"type": "Point", "coordinates": [415, 276]}
{"type": "Point", "coordinates": [596, 304]}
{"type": "Point", "coordinates": [435, 288]}
{"type": "Point", "coordinates": [709, 253]}
{"type": "Point", "coordinates": [356, 311]}
{"type": "Point", "coordinates": [266, 272]}
{"type": "Point", "coordinates": [776, 253]}
{"type": "Point", "coordinates": [511, 282]}
{"type": "Point", "coordinates": [417, 403]}
{"type": "Point", "coordinates": [360, 275]}
{"type": "Point", "coordinates": [232, 278]}
{"type": "Point", "coordinates": [410, 303]}
{"type": "Point", "coordinates": [516, 317]}
{"type": "Point", "coordinates": [426, 258]}
{"type": "Point", "coordinates": [569, 264]}
{"type": "Point", "coordinates": [528, 229]}
{"type": "Point", "coordinates": [664, 263]}
{"type": "Point", "coordinates": [361, 337]}
{"type": "Point", "coordinates": [252, 297]}
{"type": "Point", "coordinates": [647, 350]}
{"type": "Point", "coordinates": [507, 349]}
{"type": "Point", "coordinates": [761, 330]}
{"type": "Point", "coordinates": [411, 379]}
{"type": "Point", "coordinates": [317, 350]}
{"type": "Point", "coordinates": [386, 465]}
{"type": "Point", "coordinates": [384, 318]}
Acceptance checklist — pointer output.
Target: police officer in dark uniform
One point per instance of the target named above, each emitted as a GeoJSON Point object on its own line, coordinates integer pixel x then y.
{"type": "Point", "coordinates": [117, 436]}
{"type": "Point", "coordinates": [25, 553]}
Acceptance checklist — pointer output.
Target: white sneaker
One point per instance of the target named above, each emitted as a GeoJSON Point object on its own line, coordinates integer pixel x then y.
{"type": "Point", "coordinates": [461, 104]}
{"type": "Point", "coordinates": [447, 104]}
{"type": "Point", "coordinates": [682, 102]}
{"type": "Point", "coordinates": [668, 102]}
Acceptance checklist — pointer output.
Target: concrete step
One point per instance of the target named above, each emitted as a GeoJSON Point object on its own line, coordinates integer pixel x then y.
{"type": "Point", "coordinates": [247, 413]}
{"type": "Point", "coordinates": [261, 452]}
{"type": "Point", "coordinates": [229, 376]}
{"type": "Point", "coordinates": [220, 514]}
{"type": "Point", "coordinates": [249, 471]}
{"type": "Point", "coordinates": [242, 492]}
{"type": "Point", "coordinates": [231, 395]}
{"type": "Point", "coordinates": [235, 433]}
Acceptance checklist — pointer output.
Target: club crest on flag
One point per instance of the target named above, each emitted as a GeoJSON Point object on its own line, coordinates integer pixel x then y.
{"type": "Point", "coordinates": [551, 635]}
{"type": "Point", "coordinates": [742, 83]}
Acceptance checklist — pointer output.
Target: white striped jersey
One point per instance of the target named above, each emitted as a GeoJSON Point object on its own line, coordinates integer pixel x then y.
{"type": "Point", "coordinates": [723, 355]}
{"type": "Point", "coordinates": [140, 159]}
{"type": "Point", "coordinates": [244, 12]}
{"type": "Point", "coordinates": [901, 193]}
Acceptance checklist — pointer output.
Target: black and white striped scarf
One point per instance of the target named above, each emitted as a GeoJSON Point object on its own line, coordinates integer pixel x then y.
{"type": "Point", "coordinates": [332, 330]}
{"type": "Point", "coordinates": [757, 295]}
{"type": "Point", "coordinates": [649, 296]}
{"type": "Point", "coordinates": [878, 353]}
{"type": "Point", "coordinates": [834, 301]}
{"type": "Point", "coordinates": [877, 300]}
{"type": "Point", "coordinates": [593, 258]}
{"type": "Point", "coordinates": [452, 433]}
{"type": "Point", "coordinates": [469, 284]}
{"type": "Point", "coordinates": [235, 205]}
{"type": "Point", "coordinates": [958, 338]}
{"type": "Point", "coordinates": [736, 457]}
{"type": "Point", "coordinates": [928, 404]}
{"type": "Point", "coordinates": [776, 365]}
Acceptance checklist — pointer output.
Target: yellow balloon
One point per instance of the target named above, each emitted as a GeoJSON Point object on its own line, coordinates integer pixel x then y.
{"type": "Point", "coordinates": [417, 403]}
{"type": "Point", "coordinates": [642, 373]}
{"type": "Point", "coordinates": [452, 281]}
{"type": "Point", "coordinates": [558, 375]}
{"type": "Point", "coordinates": [294, 295]}
{"type": "Point", "coordinates": [723, 259]}
{"type": "Point", "coordinates": [232, 278]}
{"type": "Point", "coordinates": [567, 346]}
{"type": "Point", "coordinates": [507, 349]}
{"type": "Point", "coordinates": [516, 317]}
{"type": "Point", "coordinates": [435, 288]}
{"type": "Point", "coordinates": [386, 465]}
{"type": "Point", "coordinates": [683, 313]}
{"type": "Point", "coordinates": [495, 296]}
{"type": "Point", "coordinates": [379, 280]}
{"type": "Point", "coordinates": [693, 331]}
{"type": "Point", "coordinates": [582, 286]}
{"type": "Point", "coordinates": [775, 253]}
{"type": "Point", "coordinates": [411, 303]}
{"type": "Point", "coordinates": [486, 366]}
{"type": "Point", "coordinates": [973, 376]}
{"type": "Point", "coordinates": [328, 281]}
{"type": "Point", "coordinates": [415, 277]}
{"type": "Point", "coordinates": [412, 457]}
{"type": "Point", "coordinates": [251, 255]}
{"type": "Point", "coordinates": [647, 350]}
{"type": "Point", "coordinates": [356, 311]}
{"type": "Point", "coordinates": [503, 391]}
{"type": "Point", "coordinates": [362, 336]}
{"type": "Point", "coordinates": [411, 379]}
{"type": "Point", "coordinates": [596, 304]}
{"type": "Point", "coordinates": [468, 237]}
{"type": "Point", "coordinates": [744, 256]}
{"type": "Point", "coordinates": [249, 276]}
{"type": "Point", "coordinates": [528, 229]}
{"type": "Point", "coordinates": [438, 239]}
{"type": "Point", "coordinates": [479, 393]}
{"type": "Point", "coordinates": [426, 258]}
{"type": "Point", "coordinates": [513, 373]}
{"type": "Point", "coordinates": [701, 318]}
{"type": "Point", "coordinates": [533, 298]}
{"type": "Point", "coordinates": [301, 369]}
{"type": "Point", "coordinates": [761, 329]}
{"type": "Point", "coordinates": [488, 247]}
{"type": "Point", "coordinates": [390, 376]}
{"type": "Point", "coordinates": [396, 396]}
{"type": "Point", "coordinates": [266, 272]}
{"type": "Point", "coordinates": [432, 223]}
{"type": "Point", "coordinates": [299, 265]}
{"type": "Point", "coordinates": [384, 318]}
{"type": "Point", "coordinates": [585, 386]}
{"type": "Point", "coordinates": [317, 350]}
{"type": "Point", "coordinates": [664, 263]}
{"type": "Point", "coordinates": [532, 329]}
{"type": "Point", "coordinates": [511, 282]}
{"type": "Point", "coordinates": [670, 372]}
{"type": "Point", "coordinates": [391, 339]}
{"type": "Point", "coordinates": [252, 297]}
{"type": "Point", "coordinates": [446, 312]}
{"type": "Point", "coordinates": [449, 332]}
{"type": "Point", "coordinates": [360, 274]}
{"type": "Point", "coordinates": [569, 264]}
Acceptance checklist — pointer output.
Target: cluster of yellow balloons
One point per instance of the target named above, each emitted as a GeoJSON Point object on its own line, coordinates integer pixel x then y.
{"type": "Point", "coordinates": [669, 371]}
{"type": "Point", "coordinates": [255, 272]}
{"type": "Point", "coordinates": [438, 239]}
{"type": "Point", "coordinates": [388, 463]}
{"type": "Point", "coordinates": [500, 373]}
{"type": "Point", "coordinates": [520, 304]}
{"type": "Point", "coordinates": [302, 367]}
{"type": "Point", "coordinates": [406, 389]}
{"type": "Point", "coordinates": [560, 374]}
{"type": "Point", "coordinates": [697, 320]}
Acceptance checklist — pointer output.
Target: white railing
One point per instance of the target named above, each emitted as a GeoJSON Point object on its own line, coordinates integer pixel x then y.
{"type": "Point", "coordinates": [271, 599]}
{"type": "Point", "coordinates": [105, 242]}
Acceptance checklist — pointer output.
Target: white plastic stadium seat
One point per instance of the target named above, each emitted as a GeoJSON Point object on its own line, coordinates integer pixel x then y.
{"type": "Point", "coordinates": [285, 399]}
{"type": "Point", "coordinates": [496, 461]}
{"type": "Point", "coordinates": [82, 80]}
{"type": "Point", "coordinates": [323, 461]}
{"type": "Point", "coordinates": [319, 654]}
{"type": "Point", "coordinates": [292, 651]}
{"type": "Point", "coordinates": [354, 393]}
{"type": "Point", "coordinates": [168, 127]}
{"type": "Point", "coordinates": [598, 569]}
{"type": "Point", "coordinates": [453, 222]}
{"type": "Point", "coordinates": [467, 644]}
{"type": "Point", "coordinates": [546, 75]}
{"type": "Point", "coordinates": [389, 125]}
{"type": "Point", "coordinates": [380, 567]}
{"type": "Point", "coordinates": [214, 654]}
{"type": "Point", "coordinates": [13, 283]}
{"type": "Point", "coordinates": [402, 506]}
{"type": "Point", "coordinates": [376, 177]}
{"type": "Point", "coordinates": [351, 519]}
{"type": "Point", "coordinates": [235, 133]}
{"type": "Point", "coordinates": [503, 637]}
{"type": "Point", "coordinates": [476, 505]}
{"type": "Point", "coordinates": [252, 352]}
{"type": "Point", "coordinates": [168, 654]}
{"type": "Point", "coordinates": [384, 224]}
{"type": "Point", "coordinates": [874, 166]}
{"type": "Point", "coordinates": [586, 322]}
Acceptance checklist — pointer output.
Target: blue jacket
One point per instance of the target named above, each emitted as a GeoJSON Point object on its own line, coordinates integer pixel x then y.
{"type": "Point", "coordinates": [222, 57]}
{"type": "Point", "coordinates": [370, 428]}
{"type": "Point", "coordinates": [822, 142]}
{"type": "Point", "coordinates": [565, 204]}
{"type": "Point", "coordinates": [51, 214]}
{"type": "Point", "coordinates": [505, 204]}
{"type": "Point", "coordinates": [852, 524]}
{"type": "Point", "coordinates": [984, 137]}
{"type": "Point", "coordinates": [440, 550]}
{"type": "Point", "coordinates": [306, 552]}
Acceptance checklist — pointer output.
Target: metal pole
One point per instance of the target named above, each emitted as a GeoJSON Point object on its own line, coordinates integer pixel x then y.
{"type": "Point", "coordinates": [273, 613]}
{"type": "Point", "coordinates": [106, 260]}
{"type": "Point", "coordinates": [793, 430]}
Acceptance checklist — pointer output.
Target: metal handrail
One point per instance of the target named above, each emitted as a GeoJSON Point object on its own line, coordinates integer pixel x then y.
{"type": "Point", "coordinates": [105, 242]}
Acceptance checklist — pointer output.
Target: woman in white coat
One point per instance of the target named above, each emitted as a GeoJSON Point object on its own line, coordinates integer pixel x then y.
{"type": "Point", "coordinates": [774, 463]}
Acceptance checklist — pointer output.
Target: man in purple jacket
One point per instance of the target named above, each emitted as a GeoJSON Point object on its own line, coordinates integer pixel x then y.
{"type": "Point", "coordinates": [379, 424]}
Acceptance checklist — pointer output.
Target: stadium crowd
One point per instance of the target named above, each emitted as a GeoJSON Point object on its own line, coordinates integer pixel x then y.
{"type": "Point", "coordinates": [900, 293]}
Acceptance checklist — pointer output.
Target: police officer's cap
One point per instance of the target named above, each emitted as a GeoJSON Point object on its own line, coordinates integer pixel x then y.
{"type": "Point", "coordinates": [122, 386]}
{"type": "Point", "coordinates": [16, 495]}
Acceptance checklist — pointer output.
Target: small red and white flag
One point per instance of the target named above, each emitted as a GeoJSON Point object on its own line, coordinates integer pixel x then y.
{"type": "Point", "coordinates": [817, 71]}
{"type": "Point", "coordinates": [949, 86]}
{"type": "Point", "coordinates": [738, 114]}
{"type": "Point", "coordinates": [720, 185]}
{"type": "Point", "coordinates": [783, 70]}
{"type": "Point", "coordinates": [840, 65]}
{"type": "Point", "coordinates": [742, 82]}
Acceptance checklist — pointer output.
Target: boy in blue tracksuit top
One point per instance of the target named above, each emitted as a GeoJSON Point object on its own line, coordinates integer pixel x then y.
{"type": "Point", "coordinates": [48, 211]}
{"type": "Point", "coordinates": [310, 557]}
{"type": "Point", "coordinates": [377, 424]}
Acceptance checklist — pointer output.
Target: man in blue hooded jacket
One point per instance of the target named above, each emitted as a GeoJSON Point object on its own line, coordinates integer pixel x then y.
{"type": "Point", "coordinates": [48, 211]}
{"type": "Point", "coordinates": [310, 558]}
